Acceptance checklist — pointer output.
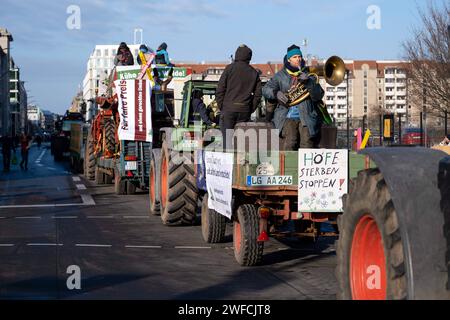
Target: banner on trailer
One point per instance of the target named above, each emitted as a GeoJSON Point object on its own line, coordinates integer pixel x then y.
{"type": "Point", "coordinates": [322, 179]}
{"type": "Point", "coordinates": [135, 110]}
{"type": "Point", "coordinates": [219, 179]}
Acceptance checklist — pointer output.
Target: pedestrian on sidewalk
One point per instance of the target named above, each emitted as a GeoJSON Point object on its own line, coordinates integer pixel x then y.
{"type": "Point", "coordinates": [7, 146]}
{"type": "Point", "coordinates": [25, 145]}
{"type": "Point", "coordinates": [38, 140]}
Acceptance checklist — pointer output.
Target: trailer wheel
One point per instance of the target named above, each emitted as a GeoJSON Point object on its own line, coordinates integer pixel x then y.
{"type": "Point", "coordinates": [89, 160]}
{"type": "Point", "coordinates": [247, 250]}
{"type": "Point", "coordinates": [119, 184]}
{"type": "Point", "coordinates": [178, 188]}
{"type": "Point", "coordinates": [213, 223]}
{"type": "Point", "coordinates": [155, 182]}
{"type": "Point", "coordinates": [99, 176]}
{"type": "Point", "coordinates": [370, 251]}
{"type": "Point", "coordinates": [131, 188]}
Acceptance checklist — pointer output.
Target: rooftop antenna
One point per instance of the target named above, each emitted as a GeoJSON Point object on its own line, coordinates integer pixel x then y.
{"type": "Point", "coordinates": [141, 32]}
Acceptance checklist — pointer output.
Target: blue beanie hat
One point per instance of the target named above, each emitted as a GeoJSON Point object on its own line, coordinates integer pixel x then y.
{"type": "Point", "coordinates": [294, 50]}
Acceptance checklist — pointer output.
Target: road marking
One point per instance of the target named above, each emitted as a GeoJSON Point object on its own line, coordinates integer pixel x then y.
{"type": "Point", "coordinates": [144, 247]}
{"type": "Point", "coordinates": [2, 217]}
{"type": "Point", "coordinates": [187, 247]}
{"type": "Point", "coordinates": [39, 165]}
{"type": "Point", "coordinates": [28, 217]}
{"type": "Point", "coordinates": [45, 244]}
{"type": "Point", "coordinates": [87, 200]}
{"type": "Point", "coordinates": [136, 217]}
{"type": "Point", "coordinates": [80, 186]}
{"type": "Point", "coordinates": [76, 178]}
{"type": "Point", "coordinates": [100, 217]}
{"type": "Point", "coordinates": [64, 217]}
{"type": "Point", "coordinates": [94, 245]}
{"type": "Point", "coordinates": [6, 245]}
{"type": "Point", "coordinates": [50, 168]}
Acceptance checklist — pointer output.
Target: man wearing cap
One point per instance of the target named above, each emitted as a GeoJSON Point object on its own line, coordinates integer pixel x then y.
{"type": "Point", "coordinates": [238, 92]}
{"type": "Point", "coordinates": [299, 124]}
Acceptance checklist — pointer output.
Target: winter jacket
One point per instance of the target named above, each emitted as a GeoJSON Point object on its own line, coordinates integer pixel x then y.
{"type": "Point", "coordinates": [309, 115]}
{"type": "Point", "coordinates": [162, 57]}
{"type": "Point", "coordinates": [239, 87]}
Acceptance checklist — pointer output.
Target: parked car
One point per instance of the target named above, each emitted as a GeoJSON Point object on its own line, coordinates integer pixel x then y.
{"type": "Point", "coordinates": [412, 136]}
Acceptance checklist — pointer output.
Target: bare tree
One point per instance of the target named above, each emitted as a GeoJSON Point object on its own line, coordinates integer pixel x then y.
{"type": "Point", "coordinates": [428, 52]}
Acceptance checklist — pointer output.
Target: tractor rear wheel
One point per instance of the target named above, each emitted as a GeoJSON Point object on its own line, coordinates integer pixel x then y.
{"type": "Point", "coordinates": [374, 245]}
{"type": "Point", "coordinates": [179, 192]}
{"type": "Point", "coordinates": [110, 135]}
{"type": "Point", "coordinates": [155, 182]}
{"type": "Point", "coordinates": [213, 223]}
{"type": "Point", "coordinates": [248, 250]}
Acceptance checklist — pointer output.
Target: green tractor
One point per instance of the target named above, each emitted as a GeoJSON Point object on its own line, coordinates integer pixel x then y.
{"type": "Point", "coordinates": [173, 190]}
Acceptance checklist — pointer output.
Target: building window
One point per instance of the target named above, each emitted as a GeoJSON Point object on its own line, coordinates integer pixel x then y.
{"type": "Point", "coordinates": [106, 53]}
{"type": "Point", "coordinates": [98, 53]}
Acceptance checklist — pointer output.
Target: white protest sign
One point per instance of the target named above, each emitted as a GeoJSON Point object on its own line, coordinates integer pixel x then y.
{"type": "Point", "coordinates": [219, 178]}
{"type": "Point", "coordinates": [322, 179]}
{"type": "Point", "coordinates": [135, 110]}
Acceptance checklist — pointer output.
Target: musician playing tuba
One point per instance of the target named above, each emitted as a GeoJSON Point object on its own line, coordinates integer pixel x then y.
{"type": "Point", "coordinates": [298, 120]}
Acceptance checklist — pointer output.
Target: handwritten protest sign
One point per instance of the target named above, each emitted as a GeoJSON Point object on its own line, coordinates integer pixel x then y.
{"type": "Point", "coordinates": [322, 179]}
{"type": "Point", "coordinates": [219, 178]}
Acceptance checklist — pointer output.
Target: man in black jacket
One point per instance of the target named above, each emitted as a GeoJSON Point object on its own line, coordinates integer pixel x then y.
{"type": "Point", "coordinates": [238, 92]}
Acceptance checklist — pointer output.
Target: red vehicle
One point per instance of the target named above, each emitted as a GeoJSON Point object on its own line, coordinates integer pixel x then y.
{"type": "Point", "coordinates": [412, 136]}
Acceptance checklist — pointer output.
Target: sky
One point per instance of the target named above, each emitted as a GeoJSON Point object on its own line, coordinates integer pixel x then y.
{"type": "Point", "coordinates": [52, 57]}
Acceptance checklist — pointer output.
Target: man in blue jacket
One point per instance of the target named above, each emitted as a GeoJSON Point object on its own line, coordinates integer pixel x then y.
{"type": "Point", "coordinates": [299, 124]}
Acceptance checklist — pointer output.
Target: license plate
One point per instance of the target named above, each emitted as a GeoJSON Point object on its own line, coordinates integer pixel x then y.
{"type": "Point", "coordinates": [130, 165]}
{"type": "Point", "coordinates": [66, 154]}
{"type": "Point", "coordinates": [269, 180]}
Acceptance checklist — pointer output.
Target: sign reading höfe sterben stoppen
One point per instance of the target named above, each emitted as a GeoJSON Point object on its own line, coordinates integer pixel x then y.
{"type": "Point", "coordinates": [322, 179]}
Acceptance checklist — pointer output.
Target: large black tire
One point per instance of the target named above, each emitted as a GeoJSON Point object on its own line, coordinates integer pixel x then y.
{"type": "Point", "coordinates": [179, 192]}
{"type": "Point", "coordinates": [373, 246]}
{"type": "Point", "coordinates": [155, 182]}
{"type": "Point", "coordinates": [213, 223]}
{"type": "Point", "coordinates": [110, 135]}
{"type": "Point", "coordinates": [369, 205]}
{"type": "Point", "coordinates": [444, 186]}
{"type": "Point", "coordinates": [248, 250]}
{"type": "Point", "coordinates": [120, 186]}
{"type": "Point", "coordinates": [89, 159]}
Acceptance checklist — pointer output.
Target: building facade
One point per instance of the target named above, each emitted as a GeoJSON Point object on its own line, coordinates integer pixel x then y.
{"type": "Point", "coordinates": [5, 40]}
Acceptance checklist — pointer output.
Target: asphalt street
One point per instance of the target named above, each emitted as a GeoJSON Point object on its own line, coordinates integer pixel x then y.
{"type": "Point", "coordinates": [52, 220]}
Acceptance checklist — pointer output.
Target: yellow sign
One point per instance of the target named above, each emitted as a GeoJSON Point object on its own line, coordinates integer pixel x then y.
{"type": "Point", "coordinates": [366, 139]}
{"type": "Point", "coordinates": [387, 128]}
